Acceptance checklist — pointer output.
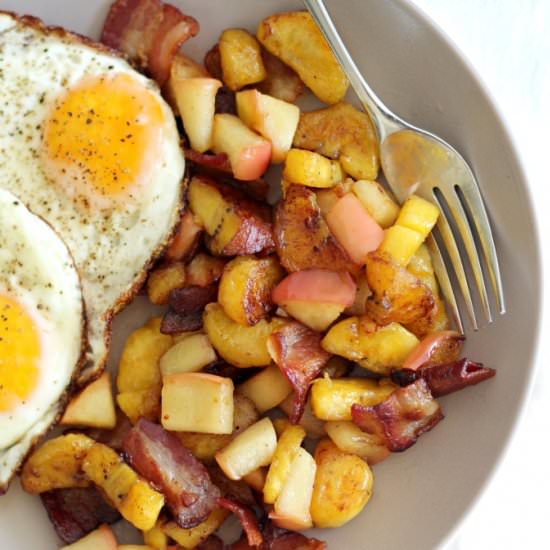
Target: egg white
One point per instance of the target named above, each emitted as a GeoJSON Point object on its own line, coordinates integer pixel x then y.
{"type": "Point", "coordinates": [37, 271]}
{"type": "Point", "coordinates": [111, 248]}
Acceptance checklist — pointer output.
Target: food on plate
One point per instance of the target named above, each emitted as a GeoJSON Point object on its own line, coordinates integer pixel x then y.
{"type": "Point", "coordinates": [296, 334]}
{"type": "Point", "coordinates": [42, 330]}
{"type": "Point", "coordinates": [296, 40]}
{"type": "Point", "coordinates": [95, 149]}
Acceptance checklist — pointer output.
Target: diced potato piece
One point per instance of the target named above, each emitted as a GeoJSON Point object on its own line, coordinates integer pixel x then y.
{"type": "Point", "coordinates": [376, 200]}
{"type": "Point", "coordinates": [249, 154]}
{"type": "Point", "coordinates": [155, 537]}
{"type": "Point", "coordinates": [241, 59]}
{"type": "Point", "coordinates": [332, 399]}
{"type": "Point", "coordinates": [295, 38]}
{"type": "Point", "coordinates": [190, 354]}
{"type": "Point", "coordinates": [256, 479]}
{"type": "Point", "coordinates": [163, 279]}
{"type": "Point", "coordinates": [309, 169]}
{"type": "Point", "coordinates": [285, 453]}
{"type": "Point", "coordinates": [272, 118]}
{"type": "Point", "coordinates": [196, 103]}
{"type": "Point", "coordinates": [292, 507]}
{"type": "Point", "coordinates": [419, 215]}
{"type": "Point", "coordinates": [266, 389]}
{"type": "Point", "coordinates": [190, 538]}
{"type": "Point", "coordinates": [421, 267]}
{"type": "Point", "coordinates": [100, 539]}
{"type": "Point", "coordinates": [134, 498]}
{"type": "Point", "coordinates": [138, 367]}
{"type": "Point", "coordinates": [401, 243]}
{"type": "Point", "coordinates": [376, 348]}
{"type": "Point", "coordinates": [343, 485]}
{"type": "Point", "coordinates": [245, 288]}
{"type": "Point", "coordinates": [363, 293]}
{"type": "Point", "coordinates": [205, 446]}
{"type": "Point", "coordinates": [341, 132]}
{"type": "Point", "coordinates": [348, 437]}
{"type": "Point", "coordinates": [197, 402]}
{"type": "Point", "coordinates": [239, 345]}
{"type": "Point", "coordinates": [249, 450]}
{"type": "Point", "coordinates": [140, 403]}
{"type": "Point", "coordinates": [204, 270]}
{"type": "Point", "coordinates": [142, 505]}
{"type": "Point", "coordinates": [94, 406]}
{"type": "Point", "coordinates": [133, 547]}
{"type": "Point", "coordinates": [57, 464]}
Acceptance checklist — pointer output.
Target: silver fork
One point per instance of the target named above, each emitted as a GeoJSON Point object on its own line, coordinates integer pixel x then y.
{"type": "Point", "coordinates": [416, 161]}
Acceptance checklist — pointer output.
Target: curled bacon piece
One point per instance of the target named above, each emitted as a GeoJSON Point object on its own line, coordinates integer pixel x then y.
{"type": "Point", "coordinates": [246, 517]}
{"type": "Point", "coordinates": [439, 347]}
{"type": "Point", "coordinates": [215, 162]}
{"type": "Point", "coordinates": [191, 299]}
{"type": "Point", "coordinates": [399, 420]}
{"type": "Point", "coordinates": [283, 541]}
{"type": "Point", "coordinates": [75, 512]}
{"type": "Point", "coordinates": [174, 322]}
{"type": "Point", "coordinates": [159, 457]}
{"type": "Point", "coordinates": [149, 33]}
{"type": "Point", "coordinates": [297, 352]}
{"type": "Point", "coordinates": [447, 378]}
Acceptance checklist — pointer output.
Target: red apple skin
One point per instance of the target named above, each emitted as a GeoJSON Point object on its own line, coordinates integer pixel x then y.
{"type": "Point", "coordinates": [252, 162]}
{"type": "Point", "coordinates": [354, 228]}
{"type": "Point", "coordinates": [316, 285]}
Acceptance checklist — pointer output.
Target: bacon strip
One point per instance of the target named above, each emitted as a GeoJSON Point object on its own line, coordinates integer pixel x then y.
{"type": "Point", "coordinates": [159, 457]}
{"type": "Point", "coordinates": [149, 33]}
{"type": "Point", "coordinates": [447, 378]}
{"type": "Point", "coordinates": [216, 162]}
{"type": "Point", "coordinates": [174, 322]}
{"type": "Point", "coordinates": [297, 352]}
{"type": "Point", "coordinates": [75, 512]}
{"type": "Point", "coordinates": [284, 541]}
{"type": "Point", "coordinates": [399, 420]}
{"type": "Point", "coordinates": [246, 517]}
{"type": "Point", "coordinates": [191, 299]}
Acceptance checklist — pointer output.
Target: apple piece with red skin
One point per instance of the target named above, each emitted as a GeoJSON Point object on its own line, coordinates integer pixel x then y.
{"type": "Point", "coordinates": [100, 539]}
{"type": "Point", "coordinates": [315, 297]}
{"type": "Point", "coordinates": [249, 153]}
{"type": "Point", "coordinates": [273, 118]}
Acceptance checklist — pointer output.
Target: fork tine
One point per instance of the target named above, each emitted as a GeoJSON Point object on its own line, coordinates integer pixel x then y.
{"type": "Point", "coordinates": [444, 282]}
{"type": "Point", "coordinates": [454, 255]}
{"type": "Point", "coordinates": [471, 195]}
{"type": "Point", "coordinates": [461, 221]}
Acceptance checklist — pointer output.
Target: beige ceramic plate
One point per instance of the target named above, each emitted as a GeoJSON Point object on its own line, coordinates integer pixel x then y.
{"type": "Point", "coordinates": [421, 495]}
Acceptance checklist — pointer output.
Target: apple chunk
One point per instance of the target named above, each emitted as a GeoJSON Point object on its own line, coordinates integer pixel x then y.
{"type": "Point", "coordinates": [197, 402]}
{"type": "Point", "coordinates": [100, 539]}
{"type": "Point", "coordinates": [273, 118]}
{"type": "Point", "coordinates": [315, 297]}
{"type": "Point", "coordinates": [291, 510]}
{"type": "Point", "coordinates": [249, 153]}
{"type": "Point", "coordinates": [94, 406]}
{"type": "Point", "coordinates": [249, 450]}
{"type": "Point", "coordinates": [196, 103]}
{"type": "Point", "coordinates": [266, 389]}
{"type": "Point", "coordinates": [189, 355]}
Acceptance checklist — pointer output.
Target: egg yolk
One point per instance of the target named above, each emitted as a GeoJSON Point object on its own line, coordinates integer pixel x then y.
{"type": "Point", "coordinates": [19, 354]}
{"type": "Point", "coordinates": [100, 137]}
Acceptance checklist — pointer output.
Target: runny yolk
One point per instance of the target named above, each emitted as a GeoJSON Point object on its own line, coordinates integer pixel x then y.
{"type": "Point", "coordinates": [99, 138]}
{"type": "Point", "coordinates": [19, 354]}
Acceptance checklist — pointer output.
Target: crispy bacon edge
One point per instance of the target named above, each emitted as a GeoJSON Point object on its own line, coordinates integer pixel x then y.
{"type": "Point", "coordinates": [297, 351]}
{"type": "Point", "coordinates": [247, 518]}
{"type": "Point", "coordinates": [401, 418]}
{"type": "Point", "coordinates": [75, 512]}
{"type": "Point", "coordinates": [282, 541]}
{"type": "Point", "coordinates": [160, 458]}
{"type": "Point", "coordinates": [149, 33]}
{"type": "Point", "coordinates": [446, 378]}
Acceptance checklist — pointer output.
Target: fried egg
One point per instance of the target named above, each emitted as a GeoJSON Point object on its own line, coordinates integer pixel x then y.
{"type": "Point", "coordinates": [89, 144]}
{"type": "Point", "coordinates": [41, 329]}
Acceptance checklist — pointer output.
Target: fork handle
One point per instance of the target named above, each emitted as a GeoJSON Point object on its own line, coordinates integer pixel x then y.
{"type": "Point", "coordinates": [384, 120]}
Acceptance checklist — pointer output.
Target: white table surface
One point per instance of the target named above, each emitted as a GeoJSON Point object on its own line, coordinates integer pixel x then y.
{"type": "Point", "coordinates": [508, 43]}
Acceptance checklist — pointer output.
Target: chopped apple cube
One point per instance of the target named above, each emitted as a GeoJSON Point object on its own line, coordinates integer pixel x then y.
{"type": "Point", "coordinates": [376, 200]}
{"type": "Point", "coordinates": [266, 389]}
{"type": "Point", "coordinates": [291, 509]}
{"type": "Point", "coordinates": [197, 402]}
{"type": "Point", "coordinates": [190, 354]}
{"type": "Point", "coordinates": [196, 102]}
{"type": "Point", "coordinates": [249, 153]}
{"type": "Point", "coordinates": [94, 406]}
{"type": "Point", "coordinates": [273, 118]}
{"type": "Point", "coordinates": [100, 539]}
{"type": "Point", "coordinates": [249, 450]}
